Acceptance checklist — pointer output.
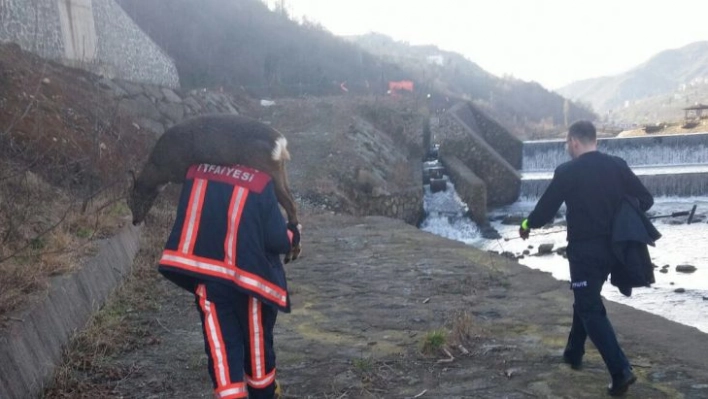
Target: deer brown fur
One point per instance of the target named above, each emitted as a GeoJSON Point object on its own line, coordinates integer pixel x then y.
{"type": "Point", "coordinates": [219, 140]}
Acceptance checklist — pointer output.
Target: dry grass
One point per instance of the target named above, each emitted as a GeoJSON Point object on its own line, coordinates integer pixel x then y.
{"type": "Point", "coordinates": [64, 154]}
{"type": "Point", "coordinates": [86, 371]}
{"type": "Point", "coordinates": [44, 232]}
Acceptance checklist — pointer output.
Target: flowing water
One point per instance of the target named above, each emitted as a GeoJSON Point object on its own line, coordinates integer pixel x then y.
{"type": "Point", "coordinates": [676, 172]}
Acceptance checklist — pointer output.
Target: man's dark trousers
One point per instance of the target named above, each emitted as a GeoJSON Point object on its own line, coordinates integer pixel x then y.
{"type": "Point", "coordinates": [590, 263]}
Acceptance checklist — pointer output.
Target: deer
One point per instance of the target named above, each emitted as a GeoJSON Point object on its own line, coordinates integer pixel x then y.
{"type": "Point", "coordinates": [217, 139]}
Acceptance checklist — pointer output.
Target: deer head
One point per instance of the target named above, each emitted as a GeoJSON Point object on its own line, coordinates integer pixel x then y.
{"type": "Point", "coordinates": [140, 199]}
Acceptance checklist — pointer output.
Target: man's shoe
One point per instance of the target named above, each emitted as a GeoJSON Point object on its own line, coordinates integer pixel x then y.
{"type": "Point", "coordinates": [574, 364]}
{"type": "Point", "coordinates": [620, 385]}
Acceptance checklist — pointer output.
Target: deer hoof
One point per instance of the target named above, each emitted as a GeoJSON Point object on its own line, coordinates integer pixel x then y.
{"type": "Point", "coordinates": [294, 254]}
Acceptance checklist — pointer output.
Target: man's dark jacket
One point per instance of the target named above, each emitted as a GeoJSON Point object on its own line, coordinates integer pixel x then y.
{"type": "Point", "coordinates": [632, 231]}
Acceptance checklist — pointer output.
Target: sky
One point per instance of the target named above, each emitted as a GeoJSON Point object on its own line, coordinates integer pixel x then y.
{"type": "Point", "coordinates": [553, 42]}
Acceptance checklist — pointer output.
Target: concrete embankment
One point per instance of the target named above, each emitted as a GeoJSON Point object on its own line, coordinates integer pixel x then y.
{"type": "Point", "coordinates": [31, 342]}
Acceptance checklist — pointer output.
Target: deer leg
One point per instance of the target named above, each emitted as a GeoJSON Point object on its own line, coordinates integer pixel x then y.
{"type": "Point", "coordinates": [285, 198]}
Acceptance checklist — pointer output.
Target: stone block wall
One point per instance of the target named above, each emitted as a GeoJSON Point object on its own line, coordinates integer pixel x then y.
{"type": "Point", "coordinates": [157, 108]}
{"type": "Point", "coordinates": [95, 35]}
{"type": "Point", "coordinates": [471, 189]}
{"type": "Point", "coordinates": [502, 179]}
{"type": "Point", "coordinates": [503, 142]}
{"type": "Point", "coordinates": [406, 205]}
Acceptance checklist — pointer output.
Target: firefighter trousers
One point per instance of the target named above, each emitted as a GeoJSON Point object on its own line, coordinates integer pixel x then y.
{"type": "Point", "coordinates": [238, 339]}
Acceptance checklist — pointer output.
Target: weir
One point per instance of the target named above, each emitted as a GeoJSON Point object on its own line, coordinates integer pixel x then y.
{"type": "Point", "coordinates": [637, 151]}
{"type": "Point", "coordinates": [667, 165]}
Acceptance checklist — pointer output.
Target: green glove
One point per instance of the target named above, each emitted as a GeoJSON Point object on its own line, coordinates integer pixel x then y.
{"type": "Point", "coordinates": [524, 230]}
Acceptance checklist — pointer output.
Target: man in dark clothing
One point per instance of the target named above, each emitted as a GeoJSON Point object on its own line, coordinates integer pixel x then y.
{"type": "Point", "coordinates": [592, 186]}
{"type": "Point", "coordinates": [225, 248]}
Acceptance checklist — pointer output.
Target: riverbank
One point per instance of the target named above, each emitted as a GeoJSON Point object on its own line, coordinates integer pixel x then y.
{"type": "Point", "coordinates": [384, 310]}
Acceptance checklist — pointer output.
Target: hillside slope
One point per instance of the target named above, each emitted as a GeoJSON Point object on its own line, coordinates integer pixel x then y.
{"type": "Point", "coordinates": [243, 44]}
{"type": "Point", "coordinates": [669, 73]}
{"type": "Point", "coordinates": [525, 108]}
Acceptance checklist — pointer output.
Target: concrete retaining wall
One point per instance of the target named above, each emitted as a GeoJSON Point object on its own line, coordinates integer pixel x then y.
{"type": "Point", "coordinates": [471, 189]}
{"type": "Point", "coordinates": [96, 35]}
{"type": "Point", "coordinates": [31, 344]}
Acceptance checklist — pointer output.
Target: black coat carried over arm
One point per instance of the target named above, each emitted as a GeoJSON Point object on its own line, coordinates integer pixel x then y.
{"type": "Point", "coordinates": [632, 232]}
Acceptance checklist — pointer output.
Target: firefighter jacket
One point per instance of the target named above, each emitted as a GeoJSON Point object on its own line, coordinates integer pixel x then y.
{"type": "Point", "coordinates": [229, 229]}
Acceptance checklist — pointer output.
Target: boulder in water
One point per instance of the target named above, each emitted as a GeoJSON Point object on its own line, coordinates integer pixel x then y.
{"type": "Point", "coordinates": [489, 232]}
{"type": "Point", "coordinates": [680, 290]}
{"type": "Point", "coordinates": [685, 268]}
{"type": "Point", "coordinates": [545, 249]}
{"type": "Point", "coordinates": [438, 185]}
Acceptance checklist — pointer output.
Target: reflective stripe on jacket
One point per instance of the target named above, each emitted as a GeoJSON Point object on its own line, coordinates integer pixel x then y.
{"type": "Point", "coordinates": [229, 228]}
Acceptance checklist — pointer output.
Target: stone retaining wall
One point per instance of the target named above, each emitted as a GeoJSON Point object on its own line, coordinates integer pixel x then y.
{"type": "Point", "coordinates": [504, 143]}
{"type": "Point", "coordinates": [31, 344]}
{"type": "Point", "coordinates": [158, 108]}
{"type": "Point", "coordinates": [405, 205]}
{"type": "Point", "coordinates": [457, 139]}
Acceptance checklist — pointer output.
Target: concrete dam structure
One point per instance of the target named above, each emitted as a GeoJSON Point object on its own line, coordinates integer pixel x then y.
{"type": "Point", "coordinates": [675, 165]}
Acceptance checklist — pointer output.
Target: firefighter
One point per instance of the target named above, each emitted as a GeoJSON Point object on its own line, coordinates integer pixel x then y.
{"type": "Point", "coordinates": [225, 248]}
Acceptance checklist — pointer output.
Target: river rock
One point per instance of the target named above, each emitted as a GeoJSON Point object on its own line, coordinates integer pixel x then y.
{"type": "Point", "coordinates": [680, 290]}
{"type": "Point", "coordinates": [544, 249]}
{"type": "Point", "coordinates": [489, 233]}
{"type": "Point", "coordinates": [664, 271]}
{"type": "Point", "coordinates": [685, 268]}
